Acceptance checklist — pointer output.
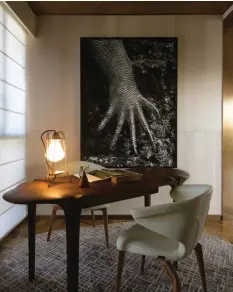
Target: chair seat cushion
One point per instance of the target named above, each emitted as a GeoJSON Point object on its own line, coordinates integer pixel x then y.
{"type": "Point", "coordinates": [140, 240]}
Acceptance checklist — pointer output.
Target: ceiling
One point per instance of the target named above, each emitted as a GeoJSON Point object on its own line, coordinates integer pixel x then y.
{"type": "Point", "coordinates": [128, 7]}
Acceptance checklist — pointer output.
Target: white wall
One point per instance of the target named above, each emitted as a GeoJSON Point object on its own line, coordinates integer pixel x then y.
{"type": "Point", "coordinates": [54, 89]}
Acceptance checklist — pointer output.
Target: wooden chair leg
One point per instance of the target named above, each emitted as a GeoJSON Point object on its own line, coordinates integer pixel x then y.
{"type": "Point", "coordinates": [176, 287]}
{"type": "Point", "coordinates": [52, 219]}
{"type": "Point", "coordinates": [93, 217]}
{"type": "Point", "coordinates": [105, 217]}
{"type": "Point", "coordinates": [175, 264]}
{"type": "Point", "coordinates": [200, 260]}
{"type": "Point", "coordinates": [120, 264]}
{"type": "Point", "coordinates": [143, 259]}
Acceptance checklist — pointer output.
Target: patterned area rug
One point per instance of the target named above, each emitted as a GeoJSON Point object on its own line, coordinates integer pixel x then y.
{"type": "Point", "coordinates": [98, 266]}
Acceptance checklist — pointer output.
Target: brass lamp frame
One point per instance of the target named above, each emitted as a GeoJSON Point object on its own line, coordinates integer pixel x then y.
{"type": "Point", "coordinates": [46, 137]}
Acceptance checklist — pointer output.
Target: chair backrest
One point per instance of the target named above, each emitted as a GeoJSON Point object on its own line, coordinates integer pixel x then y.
{"type": "Point", "coordinates": [181, 176]}
{"type": "Point", "coordinates": [182, 221]}
{"type": "Point", "coordinates": [196, 202]}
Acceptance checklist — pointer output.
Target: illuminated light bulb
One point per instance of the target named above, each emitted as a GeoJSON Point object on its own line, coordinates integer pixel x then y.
{"type": "Point", "coordinates": [55, 151]}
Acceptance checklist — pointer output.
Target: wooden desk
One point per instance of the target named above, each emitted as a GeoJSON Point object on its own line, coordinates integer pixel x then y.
{"type": "Point", "coordinates": [72, 199]}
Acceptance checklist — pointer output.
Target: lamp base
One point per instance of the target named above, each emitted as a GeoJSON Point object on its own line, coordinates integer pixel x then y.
{"type": "Point", "coordinates": [52, 178]}
{"type": "Point", "coordinates": [82, 182]}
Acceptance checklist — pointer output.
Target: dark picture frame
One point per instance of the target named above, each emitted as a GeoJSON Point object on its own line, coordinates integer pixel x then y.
{"type": "Point", "coordinates": [129, 101]}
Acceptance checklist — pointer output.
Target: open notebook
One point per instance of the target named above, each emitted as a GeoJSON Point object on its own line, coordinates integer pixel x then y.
{"type": "Point", "coordinates": [116, 175]}
{"type": "Point", "coordinates": [100, 174]}
{"type": "Point", "coordinates": [90, 177]}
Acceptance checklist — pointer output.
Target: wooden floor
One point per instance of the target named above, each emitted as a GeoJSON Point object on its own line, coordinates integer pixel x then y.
{"type": "Point", "coordinates": [222, 229]}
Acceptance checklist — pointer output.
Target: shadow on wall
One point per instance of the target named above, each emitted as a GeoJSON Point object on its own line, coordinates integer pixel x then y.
{"type": "Point", "coordinates": [35, 172]}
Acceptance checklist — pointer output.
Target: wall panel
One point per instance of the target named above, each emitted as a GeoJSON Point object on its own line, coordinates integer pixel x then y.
{"type": "Point", "coordinates": [57, 51]}
{"type": "Point", "coordinates": [227, 124]}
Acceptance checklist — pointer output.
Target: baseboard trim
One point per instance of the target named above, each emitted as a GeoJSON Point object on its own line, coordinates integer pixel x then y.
{"type": "Point", "coordinates": [89, 217]}
{"type": "Point", "coordinates": [227, 217]}
{"type": "Point", "coordinates": [214, 217]}
{"type": "Point", "coordinates": [119, 217]}
{"type": "Point", "coordinates": [110, 217]}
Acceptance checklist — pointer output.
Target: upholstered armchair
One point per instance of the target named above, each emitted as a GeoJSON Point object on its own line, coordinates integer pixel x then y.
{"type": "Point", "coordinates": [73, 168]}
{"type": "Point", "coordinates": [180, 176]}
{"type": "Point", "coordinates": [168, 232]}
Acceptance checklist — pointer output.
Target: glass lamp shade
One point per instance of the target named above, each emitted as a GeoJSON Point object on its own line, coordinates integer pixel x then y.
{"type": "Point", "coordinates": [54, 151]}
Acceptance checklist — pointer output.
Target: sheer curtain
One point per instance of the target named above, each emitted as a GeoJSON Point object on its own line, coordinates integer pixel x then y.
{"type": "Point", "coordinates": [12, 115]}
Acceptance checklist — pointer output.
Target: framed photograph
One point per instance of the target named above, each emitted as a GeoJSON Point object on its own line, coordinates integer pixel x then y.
{"type": "Point", "coordinates": [129, 101]}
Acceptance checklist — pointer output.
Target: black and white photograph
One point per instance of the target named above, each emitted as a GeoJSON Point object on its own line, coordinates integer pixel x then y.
{"type": "Point", "coordinates": [129, 101]}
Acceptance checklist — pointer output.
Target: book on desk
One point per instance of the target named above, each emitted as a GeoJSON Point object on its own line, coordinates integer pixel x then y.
{"type": "Point", "coordinates": [116, 175]}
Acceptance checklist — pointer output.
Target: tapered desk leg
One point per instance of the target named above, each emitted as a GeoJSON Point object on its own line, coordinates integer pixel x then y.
{"type": "Point", "coordinates": [147, 200]}
{"type": "Point", "coordinates": [72, 215]}
{"type": "Point", "coordinates": [32, 239]}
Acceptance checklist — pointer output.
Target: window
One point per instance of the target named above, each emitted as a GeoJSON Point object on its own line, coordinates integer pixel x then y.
{"type": "Point", "coordinates": [12, 108]}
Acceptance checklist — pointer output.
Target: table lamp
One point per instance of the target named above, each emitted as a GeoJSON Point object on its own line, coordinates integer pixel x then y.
{"type": "Point", "coordinates": [55, 151]}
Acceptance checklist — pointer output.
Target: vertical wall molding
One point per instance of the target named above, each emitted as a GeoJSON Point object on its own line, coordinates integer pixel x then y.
{"type": "Point", "coordinates": [227, 165]}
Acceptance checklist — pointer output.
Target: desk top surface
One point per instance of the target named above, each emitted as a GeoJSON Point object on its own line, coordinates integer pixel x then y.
{"type": "Point", "coordinates": [100, 192]}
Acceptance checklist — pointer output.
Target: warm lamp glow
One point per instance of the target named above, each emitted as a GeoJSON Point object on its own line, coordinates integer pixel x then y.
{"type": "Point", "coordinates": [54, 143]}
{"type": "Point", "coordinates": [55, 152]}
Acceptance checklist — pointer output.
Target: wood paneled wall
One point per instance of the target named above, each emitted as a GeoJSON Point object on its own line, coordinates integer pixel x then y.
{"type": "Point", "coordinates": [54, 89]}
{"type": "Point", "coordinates": [227, 123]}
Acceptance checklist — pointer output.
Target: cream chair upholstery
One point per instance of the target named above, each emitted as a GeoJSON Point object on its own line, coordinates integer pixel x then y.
{"type": "Point", "coordinates": [169, 232]}
{"type": "Point", "coordinates": [73, 168]}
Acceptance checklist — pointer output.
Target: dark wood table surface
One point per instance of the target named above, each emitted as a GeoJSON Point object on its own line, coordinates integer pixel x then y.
{"type": "Point", "coordinates": [72, 199]}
